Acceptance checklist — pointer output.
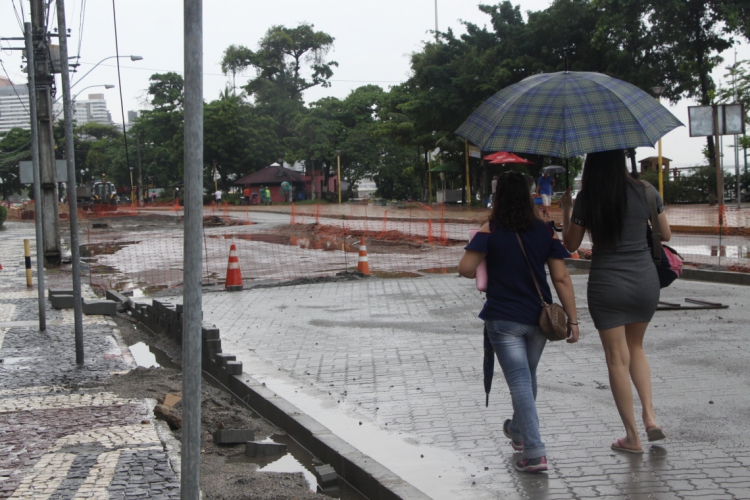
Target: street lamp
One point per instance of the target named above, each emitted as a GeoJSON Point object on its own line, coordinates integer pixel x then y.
{"type": "Point", "coordinates": [338, 172]}
{"type": "Point", "coordinates": [658, 91]}
{"type": "Point", "coordinates": [132, 58]}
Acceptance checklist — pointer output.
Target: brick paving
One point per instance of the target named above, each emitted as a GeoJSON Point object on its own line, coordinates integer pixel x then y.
{"type": "Point", "coordinates": [60, 437]}
{"type": "Point", "coordinates": [406, 356]}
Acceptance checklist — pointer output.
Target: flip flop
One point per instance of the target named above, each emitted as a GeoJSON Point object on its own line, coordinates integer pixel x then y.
{"type": "Point", "coordinates": [617, 446]}
{"type": "Point", "coordinates": [655, 434]}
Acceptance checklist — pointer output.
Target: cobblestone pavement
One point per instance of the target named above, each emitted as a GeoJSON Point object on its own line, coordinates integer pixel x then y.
{"type": "Point", "coordinates": [405, 356]}
{"type": "Point", "coordinates": [59, 437]}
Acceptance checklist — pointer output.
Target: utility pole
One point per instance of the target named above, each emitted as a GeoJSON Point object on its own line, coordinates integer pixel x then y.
{"type": "Point", "coordinates": [71, 190]}
{"type": "Point", "coordinates": [44, 83]}
{"type": "Point", "coordinates": [140, 170]}
{"type": "Point", "coordinates": [37, 178]}
{"type": "Point", "coordinates": [436, 23]}
{"type": "Point", "coordinates": [193, 251]}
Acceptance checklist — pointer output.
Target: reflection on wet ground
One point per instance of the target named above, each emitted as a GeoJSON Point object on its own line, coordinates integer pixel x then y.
{"type": "Point", "coordinates": [296, 459]}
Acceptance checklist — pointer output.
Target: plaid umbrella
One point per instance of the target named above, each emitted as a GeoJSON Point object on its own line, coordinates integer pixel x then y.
{"type": "Point", "coordinates": [568, 114]}
{"type": "Point", "coordinates": [488, 366]}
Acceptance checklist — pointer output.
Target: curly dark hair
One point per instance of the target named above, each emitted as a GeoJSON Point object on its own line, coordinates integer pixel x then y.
{"type": "Point", "coordinates": [512, 207]}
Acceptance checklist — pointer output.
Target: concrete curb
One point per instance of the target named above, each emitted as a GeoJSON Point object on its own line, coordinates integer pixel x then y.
{"type": "Point", "coordinates": [708, 275]}
{"type": "Point", "coordinates": [361, 471]}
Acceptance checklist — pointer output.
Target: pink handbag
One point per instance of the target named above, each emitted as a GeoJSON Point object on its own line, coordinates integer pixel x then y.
{"type": "Point", "coordinates": [481, 274]}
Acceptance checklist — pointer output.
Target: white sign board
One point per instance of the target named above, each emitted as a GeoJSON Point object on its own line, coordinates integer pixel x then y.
{"type": "Point", "coordinates": [27, 172]}
{"type": "Point", "coordinates": [730, 118]}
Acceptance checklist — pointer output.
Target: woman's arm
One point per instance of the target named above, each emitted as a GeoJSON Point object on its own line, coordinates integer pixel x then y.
{"type": "Point", "coordinates": [564, 287]}
{"type": "Point", "coordinates": [467, 266]}
{"type": "Point", "coordinates": [666, 231]}
{"type": "Point", "coordinates": [572, 233]}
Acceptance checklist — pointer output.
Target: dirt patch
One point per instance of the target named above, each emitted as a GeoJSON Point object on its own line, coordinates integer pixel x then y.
{"type": "Point", "coordinates": [221, 479]}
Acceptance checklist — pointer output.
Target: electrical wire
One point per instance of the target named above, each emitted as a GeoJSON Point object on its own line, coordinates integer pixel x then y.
{"type": "Point", "coordinates": [82, 18]}
{"type": "Point", "coordinates": [14, 88]}
{"type": "Point", "coordinates": [122, 103]}
{"type": "Point", "coordinates": [18, 18]}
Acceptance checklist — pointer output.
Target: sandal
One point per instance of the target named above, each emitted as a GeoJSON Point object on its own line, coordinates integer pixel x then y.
{"type": "Point", "coordinates": [655, 434]}
{"type": "Point", "coordinates": [618, 446]}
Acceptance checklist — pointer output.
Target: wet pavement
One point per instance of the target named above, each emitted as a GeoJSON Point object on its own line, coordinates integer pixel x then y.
{"type": "Point", "coordinates": [395, 368]}
{"type": "Point", "coordinates": [60, 437]}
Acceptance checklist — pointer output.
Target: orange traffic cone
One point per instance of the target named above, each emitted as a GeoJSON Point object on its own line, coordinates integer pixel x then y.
{"type": "Point", "coordinates": [234, 275]}
{"type": "Point", "coordinates": [363, 266]}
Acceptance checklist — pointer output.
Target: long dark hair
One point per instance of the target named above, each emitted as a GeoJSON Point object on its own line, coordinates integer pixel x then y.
{"type": "Point", "coordinates": [512, 207]}
{"type": "Point", "coordinates": [604, 189]}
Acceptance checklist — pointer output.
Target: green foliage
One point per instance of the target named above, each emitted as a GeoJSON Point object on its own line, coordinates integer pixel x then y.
{"type": "Point", "coordinates": [3, 214]}
{"type": "Point", "coordinates": [15, 146]}
{"type": "Point", "coordinates": [693, 188]}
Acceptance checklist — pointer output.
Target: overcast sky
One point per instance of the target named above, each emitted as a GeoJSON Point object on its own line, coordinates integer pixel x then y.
{"type": "Point", "coordinates": [373, 42]}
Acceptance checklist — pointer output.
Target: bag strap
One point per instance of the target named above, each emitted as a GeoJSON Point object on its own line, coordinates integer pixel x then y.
{"type": "Point", "coordinates": [655, 227]}
{"type": "Point", "coordinates": [536, 284]}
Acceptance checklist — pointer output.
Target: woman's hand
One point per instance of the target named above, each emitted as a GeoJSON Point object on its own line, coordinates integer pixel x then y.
{"type": "Point", "coordinates": [572, 333]}
{"type": "Point", "coordinates": [566, 202]}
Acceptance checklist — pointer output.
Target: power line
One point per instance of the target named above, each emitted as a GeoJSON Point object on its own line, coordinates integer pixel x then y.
{"type": "Point", "coordinates": [20, 22]}
{"type": "Point", "coordinates": [223, 75]}
{"type": "Point", "coordinates": [81, 20]}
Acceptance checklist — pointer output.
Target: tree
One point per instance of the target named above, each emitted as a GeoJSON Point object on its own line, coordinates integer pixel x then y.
{"type": "Point", "coordinates": [691, 34]}
{"type": "Point", "coordinates": [288, 62]}
{"type": "Point", "coordinates": [238, 138]}
{"type": "Point", "coordinates": [15, 146]}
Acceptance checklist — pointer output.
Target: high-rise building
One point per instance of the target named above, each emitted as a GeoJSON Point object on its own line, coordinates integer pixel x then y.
{"type": "Point", "coordinates": [93, 109]}
{"type": "Point", "coordinates": [14, 106]}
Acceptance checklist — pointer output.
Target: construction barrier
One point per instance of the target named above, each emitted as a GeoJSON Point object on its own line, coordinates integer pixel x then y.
{"type": "Point", "coordinates": [324, 240]}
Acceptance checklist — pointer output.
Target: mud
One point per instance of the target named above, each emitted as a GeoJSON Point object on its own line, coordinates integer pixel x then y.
{"type": "Point", "coordinates": [221, 478]}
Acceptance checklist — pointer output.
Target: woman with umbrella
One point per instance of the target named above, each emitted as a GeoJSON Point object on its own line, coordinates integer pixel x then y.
{"type": "Point", "coordinates": [514, 242]}
{"type": "Point", "coordinates": [623, 287]}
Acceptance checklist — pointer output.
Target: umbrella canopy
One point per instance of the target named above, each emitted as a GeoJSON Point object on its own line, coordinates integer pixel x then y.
{"type": "Point", "coordinates": [554, 169]}
{"type": "Point", "coordinates": [488, 366]}
{"type": "Point", "coordinates": [568, 114]}
{"type": "Point", "coordinates": [503, 157]}
{"type": "Point", "coordinates": [446, 167]}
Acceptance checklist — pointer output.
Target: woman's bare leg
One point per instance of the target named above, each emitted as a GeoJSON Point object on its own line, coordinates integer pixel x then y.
{"type": "Point", "coordinates": [618, 363]}
{"type": "Point", "coordinates": [640, 372]}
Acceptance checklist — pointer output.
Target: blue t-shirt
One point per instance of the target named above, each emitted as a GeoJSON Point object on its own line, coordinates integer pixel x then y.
{"type": "Point", "coordinates": [511, 294]}
{"type": "Point", "coordinates": [545, 185]}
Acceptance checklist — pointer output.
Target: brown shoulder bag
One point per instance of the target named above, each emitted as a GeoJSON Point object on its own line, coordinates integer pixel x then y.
{"type": "Point", "coordinates": [553, 321]}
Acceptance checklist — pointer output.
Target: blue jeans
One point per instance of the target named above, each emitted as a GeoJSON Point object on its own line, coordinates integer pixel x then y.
{"type": "Point", "coordinates": [518, 348]}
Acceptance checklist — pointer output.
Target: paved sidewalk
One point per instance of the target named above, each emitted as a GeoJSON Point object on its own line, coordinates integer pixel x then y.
{"type": "Point", "coordinates": [405, 357]}
{"type": "Point", "coordinates": [59, 437]}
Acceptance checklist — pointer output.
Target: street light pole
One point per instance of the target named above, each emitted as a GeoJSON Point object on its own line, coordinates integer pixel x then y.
{"type": "Point", "coordinates": [658, 90]}
{"type": "Point", "coordinates": [71, 190]}
{"type": "Point", "coordinates": [132, 58]}
{"type": "Point", "coordinates": [338, 172]}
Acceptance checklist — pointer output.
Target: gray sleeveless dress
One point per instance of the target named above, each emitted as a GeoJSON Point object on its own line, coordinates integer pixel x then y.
{"type": "Point", "coordinates": [623, 284]}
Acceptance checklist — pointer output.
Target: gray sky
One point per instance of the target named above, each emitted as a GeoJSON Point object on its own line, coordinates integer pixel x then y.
{"type": "Point", "coordinates": [373, 43]}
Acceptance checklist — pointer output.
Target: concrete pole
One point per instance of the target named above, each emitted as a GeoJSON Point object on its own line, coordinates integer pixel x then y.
{"type": "Point", "coordinates": [193, 255]}
{"type": "Point", "coordinates": [71, 190]}
{"type": "Point", "coordinates": [44, 81]}
{"type": "Point", "coordinates": [37, 177]}
{"type": "Point", "coordinates": [140, 170]}
{"type": "Point", "coordinates": [468, 182]}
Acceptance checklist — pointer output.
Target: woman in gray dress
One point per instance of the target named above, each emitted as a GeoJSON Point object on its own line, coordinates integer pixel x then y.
{"type": "Point", "coordinates": [623, 287]}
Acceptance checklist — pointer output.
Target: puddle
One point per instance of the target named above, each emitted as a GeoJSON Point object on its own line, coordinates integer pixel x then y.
{"type": "Point", "coordinates": [94, 249]}
{"type": "Point", "coordinates": [440, 270]}
{"type": "Point", "coordinates": [296, 459]}
{"type": "Point", "coordinates": [149, 356]}
{"type": "Point", "coordinates": [143, 356]}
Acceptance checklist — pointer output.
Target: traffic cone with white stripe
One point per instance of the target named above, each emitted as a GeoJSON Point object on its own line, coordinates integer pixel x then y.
{"type": "Point", "coordinates": [363, 266]}
{"type": "Point", "coordinates": [234, 275]}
